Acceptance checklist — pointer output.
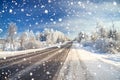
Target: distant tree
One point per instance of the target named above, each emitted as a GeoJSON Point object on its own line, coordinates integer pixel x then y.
{"type": "Point", "coordinates": [102, 33]}
{"type": "Point", "coordinates": [80, 36]}
{"type": "Point", "coordinates": [32, 36]}
{"type": "Point", "coordinates": [38, 35]}
{"type": "Point", "coordinates": [12, 31]}
{"type": "Point", "coordinates": [23, 38]}
{"type": "Point", "coordinates": [113, 34]}
{"type": "Point", "coordinates": [29, 41]}
{"type": "Point", "coordinates": [94, 36]}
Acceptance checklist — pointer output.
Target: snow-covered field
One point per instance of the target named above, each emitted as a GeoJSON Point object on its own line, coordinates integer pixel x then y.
{"type": "Point", "coordinates": [85, 65]}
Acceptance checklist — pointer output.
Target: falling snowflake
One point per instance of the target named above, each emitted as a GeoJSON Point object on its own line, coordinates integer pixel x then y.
{"type": "Point", "coordinates": [49, 1]}
{"type": "Point", "coordinates": [16, 3]}
{"type": "Point", "coordinates": [51, 19]}
{"type": "Point", "coordinates": [42, 6]}
{"type": "Point", "coordinates": [3, 11]}
{"type": "Point", "coordinates": [28, 14]}
{"type": "Point", "coordinates": [79, 3]}
{"type": "Point", "coordinates": [89, 13]}
{"type": "Point", "coordinates": [47, 72]}
{"type": "Point", "coordinates": [31, 73]}
{"type": "Point", "coordinates": [24, 59]}
{"type": "Point", "coordinates": [114, 3]}
{"type": "Point", "coordinates": [22, 10]}
{"type": "Point", "coordinates": [99, 66]}
{"type": "Point", "coordinates": [10, 10]}
{"type": "Point", "coordinates": [71, 3]}
{"type": "Point", "coordinates": [4, 57]}
{"type": "Point", "coordinates": [54, 22]}
{"type": "Point", "coordinates": [46, 11]}
{"type": "Point", "coordinates": [35, 6]}
{"type": "Point", "coordinates": [60, 19]}
{"type": "Point", "coordinates": [36, 23]}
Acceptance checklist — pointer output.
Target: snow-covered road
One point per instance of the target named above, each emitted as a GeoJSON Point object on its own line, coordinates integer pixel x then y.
{"type": "Point", "coordinates": [84, 65]}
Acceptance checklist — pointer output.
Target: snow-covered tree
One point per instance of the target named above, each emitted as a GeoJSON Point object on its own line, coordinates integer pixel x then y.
{"type": "Point", "coordinates": [10, 40]}
{"type": "Point", "coordinates": [38, 34]}
{"type": "Point", "coordinates": [113, 34]}
{"type": "Point", "coordinates": [101, 30]}
{"type": "Point", "coordinates": [23, 38]}
{"type": "Point", "coordinates": [30, 41]}
{"type": "Point", "coordinates": [54, 36]}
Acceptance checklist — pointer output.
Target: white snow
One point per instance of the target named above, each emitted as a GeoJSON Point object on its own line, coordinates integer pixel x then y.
{"type": "Point", "coordinates": [85, 65]}
{"type": "Point", "coordinates": [46, 11]}
{"type": "Point", "coordinates": [60, 19]}
{"type": "Point", "coordinates": [5, 54]}
{"type": "Point", "coordinates": [22, 10]}
{"type": "Point", "coordinates": [114, 3]}
{"type": "Point", "coordinates": [10, 11]}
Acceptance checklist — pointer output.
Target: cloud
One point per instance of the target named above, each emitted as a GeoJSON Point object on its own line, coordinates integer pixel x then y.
{"type": "Point", "coordinates": [83, 16]}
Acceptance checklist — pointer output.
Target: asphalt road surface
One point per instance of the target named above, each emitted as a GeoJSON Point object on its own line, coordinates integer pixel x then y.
{"type": "Point", "coordinates": [39, 65]}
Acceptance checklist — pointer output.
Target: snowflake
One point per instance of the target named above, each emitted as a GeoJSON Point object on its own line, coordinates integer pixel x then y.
{"type": "Point", "coordinates": [60, 19]}
{"type": "Point", "coordinates": [4, 57]}
{"type": "Point", "coordinates": [89, 13]}
{"type": "Point", "coordinates": [71, 3]}
{"type": "Point", "coordinates": [3, 11]}
{"type": "Point", "coordinates": [32, 79]}
{"type": "Point", "coordinates": [46, 11]}
{"type": "Point", "coordinates": [35, 6]}
{"type": "Point", "coordinates": [114, 3]}
{"type": "Point", "coordinates": [28, 15]}
{"type": "Point", "coordinates": [30, 25]}
{"type": "Point", "coordinates": [47, 72]}
{"type": "Point", "coordinates": [42, 6]}
{"type": "Point", "coordinates": [31, 73]}
{"type": "Point", "coordinates": [15, 3]}
{"type": "Point", "coordinates": [49, 1]}
{"type": "Point", "coordinates": [54, 22]}
{"type": "Point", "coordinates": [36, 23]}
{"type": "Point", "coordinates": [22, 10]}
{"type": "Point", "coordinates": [79, 3]}
{"type": "Point", "coordinates": [24, 59]}
{"type": "Point", "coordinates": [10, 10]}
{"type": "Point", "coordinates": [99, 66]}
{"type": "Point", "coordinates": [51, 19]}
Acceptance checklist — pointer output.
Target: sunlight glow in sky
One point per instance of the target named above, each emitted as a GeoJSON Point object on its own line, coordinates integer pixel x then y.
{"type": "Point", "coordinates": [68, 16]}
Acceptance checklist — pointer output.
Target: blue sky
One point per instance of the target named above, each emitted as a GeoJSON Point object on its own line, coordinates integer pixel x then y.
{"type": "Point", "coordinates": [68, 16]}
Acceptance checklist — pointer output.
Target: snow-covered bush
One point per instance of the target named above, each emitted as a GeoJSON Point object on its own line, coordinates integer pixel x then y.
{"type": "Point", "coordinates": [54, 36]}
{"type": "Point", "coordinates": [11, 37]}
{"type": "Point", "coordinates": [104, 40]}
{"type": "Point", "coordinates": [32, 45]}
{"type": "Point", "coordinates": [87, 43]}
{"type": "Point", "coordinates": [31, 40]}
{"type": "Point", "coordinates": [101, 45]}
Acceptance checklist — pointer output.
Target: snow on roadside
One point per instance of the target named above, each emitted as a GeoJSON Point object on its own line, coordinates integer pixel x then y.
{"type": "Point", "coordinates": [99, 67]}
{"type": "Point", "coordinates": [73, 69]}
{"type": "Point", "coordinates": [113, 59]}
{"type": "Point", "coordinates": [5, 54]}
{"type": "Point", "coordinates": [84, 65]}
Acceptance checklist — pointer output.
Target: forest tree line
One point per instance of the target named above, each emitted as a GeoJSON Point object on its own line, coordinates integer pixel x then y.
{"type": "Point", "coordinates": [102, 40]}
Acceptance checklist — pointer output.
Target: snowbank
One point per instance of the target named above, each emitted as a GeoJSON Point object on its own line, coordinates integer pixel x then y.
{"type": "Point", "coordinates": [4, 54]}
{"type": "Point", "coordinates": [85, 65]}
